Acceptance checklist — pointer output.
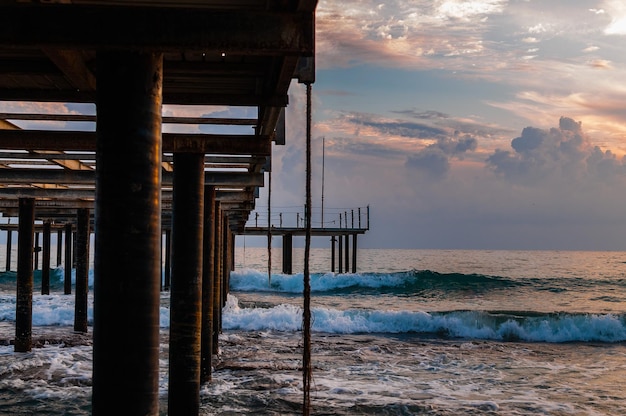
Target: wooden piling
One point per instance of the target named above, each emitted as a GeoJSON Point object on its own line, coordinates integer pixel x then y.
{"type": "Point", "coordinates": [186, 290]}
{"type": "Point", "coordinates": [217, 277]}
{"type": "Point", "coordinates": [128, 211]}
{"type": "Point", "coordinates": [354, 237]}
{"type": "Point", "coordinates": [347, 252]}
{"type": "Point", "coordinates": [67, 282]}
{"type": "Point", "coordinates": [9, 249]}
{"type": "Point", "coordinates": [59, 246]}
{"type": "Point", "coordinates": [24, 298]}
{"type": "Point", "coordinates": [208, 272]}
{"type": "Point", "coordinates": [340, 253]}
{"type": "Point", "coordinates": [82, 270]}
{"type": "Point", "coordinates": [168, 260]}
{"type": "Point", "coordinates": [288, 253]}
{"type": "Point", "coordinates": [332, 254]}
{"type": "Point", "coordinates": [45, 261]}
{"type": "Point", "coordinates": [36, 251]}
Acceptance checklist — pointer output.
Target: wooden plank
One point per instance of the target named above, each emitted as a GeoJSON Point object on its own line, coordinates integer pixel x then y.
{"type": "Point", "coordinates": [25, 176]}
{"type": "Point", "coordinates": [92, 118]}
{"type": "Point", "coordinates": [172, 142]}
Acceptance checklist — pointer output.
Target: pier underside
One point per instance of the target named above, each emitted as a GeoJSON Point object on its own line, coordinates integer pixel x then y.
{"type": "Point", "coordinates": [133, 120]}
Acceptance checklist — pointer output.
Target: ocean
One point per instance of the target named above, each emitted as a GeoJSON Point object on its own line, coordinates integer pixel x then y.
{"type": "Point", "coordinates": [411, 332]}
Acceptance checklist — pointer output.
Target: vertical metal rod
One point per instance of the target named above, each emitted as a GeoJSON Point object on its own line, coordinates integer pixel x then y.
{"type": "Point", "coordinates": [306, 318]}
{"type": "Point", "coordinates": [24, 297]}
{"type": "Point", "coordinates": [323, 169]}
{"type": "Point", "coordinates": [127, 229]}
{"type": "Point", "coordinates": [82, 270]}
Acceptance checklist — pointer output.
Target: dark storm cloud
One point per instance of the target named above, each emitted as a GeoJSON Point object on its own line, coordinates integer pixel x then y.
{"type": "Point", "coordinates": [432, 162]}
{"type": "Point", "coordinates": [404, 128]}
{"type": "Point", "coordinates": [360, 147]}
{"type": "Point", "coordinates": [422, 115]}
{"type": "Point", "coordinates": [564, 152]}
{"type": "Point", "coordinates": [445, 121]}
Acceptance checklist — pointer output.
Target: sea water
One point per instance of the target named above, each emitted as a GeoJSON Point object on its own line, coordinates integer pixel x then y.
{"type": "Point", "coordinates": [429, 332]}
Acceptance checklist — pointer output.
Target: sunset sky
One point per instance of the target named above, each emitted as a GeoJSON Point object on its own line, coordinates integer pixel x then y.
{"type": "Point", "coordinates": [487, 124]}
{"type": "Point", "coordinates": [495, 124]}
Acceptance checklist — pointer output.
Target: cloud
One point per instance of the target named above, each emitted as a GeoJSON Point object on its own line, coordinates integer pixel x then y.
{"type": "Point", "coordinates": [405, 33]}
{"type": "Point", "coordinates": [564, 154]}
{"type": "Point", "coordinates": [617, 10]}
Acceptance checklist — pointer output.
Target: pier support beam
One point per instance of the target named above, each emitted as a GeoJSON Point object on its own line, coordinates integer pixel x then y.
{"type": "Point", "coordinates": [347, 252]}
{"type": "Point", "coordinates": [167, 279]}
{"type": "Point", "coordinates": [208, 275]}
{"type": "Point", "coordinates": [127, 227]}
{"type": "Point", "coordinates": [288, 254]}
{"type": "Point", "coordinates": [354, 236]}
{"type": "Point", "coordinates": [37, 249]}
{"type": "Point", "coordinates": [332, 254]}
{"type": "Point", "coordinates": [67, 282]}
{"type": "Point", "coordinates": [186, 290]}
{"type": "Point", "coordinates": [340, 253]}
{"type": "Point", "coordinates": [217, 277]}
{"type": "Point", "coordinates": [24, 298]}
{"type": "Point", "coordinates": [82, 270]}
{"type": "Point", "coordinates": [45, 262]}
{"type": "Point", "coordinates": [9, 249]}
{"type": "Point", "coordinates": [59, 246]}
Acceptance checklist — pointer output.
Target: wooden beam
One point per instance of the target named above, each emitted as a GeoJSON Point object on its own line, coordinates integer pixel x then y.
{"type": "Point", "coordinates": [87, 177]}
{"type": "Point", "coordinates": [240, 32]}
{"type": "Point", "coordinates": [72, 64]}
{"type": "Point", "coordinates": [172, 142]}
{"type": "Point", "coordinates": [92, 118]}
{"type": "Point", "coordinates": [170, 96]}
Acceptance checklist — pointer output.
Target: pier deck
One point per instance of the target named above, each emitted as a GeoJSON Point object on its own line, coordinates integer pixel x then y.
{"type": "Point", "coordinates": [118, 134]}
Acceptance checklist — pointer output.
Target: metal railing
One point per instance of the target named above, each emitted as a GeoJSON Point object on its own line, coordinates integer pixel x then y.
{"type": "Point", "coordinates": [294, 217]}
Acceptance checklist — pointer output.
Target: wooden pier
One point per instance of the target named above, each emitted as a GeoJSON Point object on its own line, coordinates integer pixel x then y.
{"type": "Point", "coordinates": [94, 153]}
{"type": "Point", "coordinates": [341, 232]}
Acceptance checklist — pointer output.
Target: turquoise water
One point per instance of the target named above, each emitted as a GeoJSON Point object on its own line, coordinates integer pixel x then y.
{"type": "Point", "coordinates": [411, 332]}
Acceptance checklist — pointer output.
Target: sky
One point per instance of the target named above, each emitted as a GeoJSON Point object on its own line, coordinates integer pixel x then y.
{"type": "Point", "coordinates": [487, 124]}
{"type": "Point", "coordinates": [461, 124]}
